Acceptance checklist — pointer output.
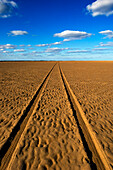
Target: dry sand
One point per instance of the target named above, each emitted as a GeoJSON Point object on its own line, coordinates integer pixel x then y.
{"type": "Point", "coordinates": [51, 138]}
{"type": "Point", "coordinates": [92, 83]}
{"type": "Point", "coordinates": [18, 82]}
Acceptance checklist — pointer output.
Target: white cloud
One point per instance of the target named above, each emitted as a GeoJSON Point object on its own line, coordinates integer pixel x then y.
{"type": "Point", "coordinates": [5, 16]}
{"type": "Point", "coordinates": [5, 51]}
{"type": "Point", "coordinates": [56, 43]}
{"type": "Point", "coordinates": [17, 32]}
{"type": "Point", "coordinates": [101, 7]}
{"type": "Point", "coordinates": [108, 44]}
{"type": "Point", "coordinates": [72, 35]}
{"type": "Point", "coordinates": [55, 50]}
{"type": "Point", "coordinates": [100, 49]}
{"type": "Point", "coordinates": [108, 33]}
{"type": "Point", "coordinates": [8, 46]}
{"type": "Point", "coordinates": [22, 45]}
{"type": "Point", "coordinates": [6, 8]}
{"type": "Point", "coordinates": [34, 51]}
{"type": "Point", "coordinates": [42, 45]}
{"type": "Point", "coordinates": [79, 51]}
{"type": "Point", "coordinates": [19, 50]}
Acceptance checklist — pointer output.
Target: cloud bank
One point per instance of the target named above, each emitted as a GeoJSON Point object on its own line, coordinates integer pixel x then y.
{"type": "Point", "coordinates": [72, 35]}
{"type": "Point", "coordinates": [6, 8]}
{"type": "Point", "coordinates": [101, 7]}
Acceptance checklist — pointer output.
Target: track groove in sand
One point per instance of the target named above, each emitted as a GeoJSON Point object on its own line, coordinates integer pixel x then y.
{"type": "Point", "coordinates": [51, 139]}
{"type": "Point", "coordinates": [91, 143]}
{"type": "Point", "coordinates": [10, 145]}
{"type": "Point", "coordinates": [39, 146]}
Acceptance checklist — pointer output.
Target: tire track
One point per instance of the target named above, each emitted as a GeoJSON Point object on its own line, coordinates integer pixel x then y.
{"type": "Point", "coordinates": [10, 145]}
{"type": "Point", "coordinates": [91, 144]}
{"type": "Point", "coordinates": [51, 139]}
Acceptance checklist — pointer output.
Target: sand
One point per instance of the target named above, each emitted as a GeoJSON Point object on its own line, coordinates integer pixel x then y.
{"type": "Point", "coordinates": [51, 138]}
{"type": "Point", "coordinates": [18, 83]}
{"type": "Point", "coordinates": [92, 83]}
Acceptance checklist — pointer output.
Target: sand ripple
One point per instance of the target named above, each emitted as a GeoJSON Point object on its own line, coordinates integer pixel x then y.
{"type": "Point", "coordinates": [92, 83]}
{"type": "Point", "coordinates": [51, 139]}
{"type": "Point", "coordinates": [18, 83]}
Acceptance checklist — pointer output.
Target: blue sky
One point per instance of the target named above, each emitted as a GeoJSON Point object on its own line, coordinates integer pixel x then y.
{"type": "Point", "coordinates": [56, 30]}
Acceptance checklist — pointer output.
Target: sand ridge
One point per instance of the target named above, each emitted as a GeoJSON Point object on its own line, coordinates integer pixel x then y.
{"type": "Point", "coordinates": [92, 84]}
{"type": "Point", "coordinates": [51, 139]}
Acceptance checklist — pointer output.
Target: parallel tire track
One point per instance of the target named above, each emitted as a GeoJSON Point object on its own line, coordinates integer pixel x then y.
{"type": "Point", "coordinates": [91, 144]}
{"type": "Point", "coordinates": [92, 147]}
{"type": "Point", "coordinates": [8, 148]}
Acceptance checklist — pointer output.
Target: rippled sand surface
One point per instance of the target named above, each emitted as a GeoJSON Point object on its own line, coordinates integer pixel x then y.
{"type": "Point", "coordinates": [18, 83]}
{"type": "Point", "coordinates": [51, 139]}
{"type": "Point", "coordinates": [92, 83]}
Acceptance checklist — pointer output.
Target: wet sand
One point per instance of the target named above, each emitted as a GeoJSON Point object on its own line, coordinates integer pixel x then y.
{"type": "Point", "coordinates": [92, 83]}
{"type": "Point", "coordinates": [51, 138]}
{"type": "Point", "coordinates": [18, 83]}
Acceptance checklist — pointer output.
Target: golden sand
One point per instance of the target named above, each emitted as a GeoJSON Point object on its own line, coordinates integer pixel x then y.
{"type": "Point", "coordinates": [51, 139]}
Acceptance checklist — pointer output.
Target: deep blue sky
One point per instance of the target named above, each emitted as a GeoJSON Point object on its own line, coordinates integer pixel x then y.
{"type": "Point", "coordinates": [41, 19]}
